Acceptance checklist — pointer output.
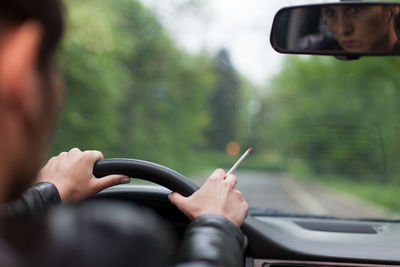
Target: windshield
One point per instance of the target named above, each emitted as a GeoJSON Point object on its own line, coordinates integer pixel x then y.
{"type": "Point", "coordinates": [192, 84]}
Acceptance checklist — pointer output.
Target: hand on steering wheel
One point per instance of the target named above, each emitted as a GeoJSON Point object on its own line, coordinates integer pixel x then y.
{"type": "Point", "coordinates": [217, 196]}
{"type": "Point", "coordinates": [72, 174]}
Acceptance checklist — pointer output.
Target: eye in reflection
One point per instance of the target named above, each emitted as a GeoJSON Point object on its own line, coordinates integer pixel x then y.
{"type": "Point", "coordinates": [352, 10]}
{"type": "Point", "coordinates": [328, 12]}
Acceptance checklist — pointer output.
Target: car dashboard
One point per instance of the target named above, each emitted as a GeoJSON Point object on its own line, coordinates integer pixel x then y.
{"type": "Point", "coordinates": [284, 241]}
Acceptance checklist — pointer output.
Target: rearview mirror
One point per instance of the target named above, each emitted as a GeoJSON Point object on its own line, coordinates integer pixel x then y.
{"type": "Point", "coordinates": [341, 29]}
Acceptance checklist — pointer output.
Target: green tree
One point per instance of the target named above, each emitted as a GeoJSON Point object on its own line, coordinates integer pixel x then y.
{"type": "Point", "coordinates": [337, 117]}
{"type": "Point", "coordinates": [131, 91]}
{"type": "Point", "coordinates": [224, 104]}
{"type": "Point", "coordinates": [90, 61]}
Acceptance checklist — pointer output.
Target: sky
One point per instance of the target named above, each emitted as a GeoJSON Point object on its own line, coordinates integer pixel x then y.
{"type": "Point", "coordinates": [240, 26]}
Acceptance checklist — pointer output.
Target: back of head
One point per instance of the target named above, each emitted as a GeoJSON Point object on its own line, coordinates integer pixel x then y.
{"type": "Point", "coordinates": [49, 14]}
{"type": "Point", "coordinates": [30, 32]}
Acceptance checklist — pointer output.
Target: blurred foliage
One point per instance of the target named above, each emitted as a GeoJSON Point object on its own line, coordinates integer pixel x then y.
{"type": "Point", "coordinates": [224, 103]}
{"type": "Point", "coordinates": [335, 117]}
{"type": "Point", "coordinates": [132, 92]}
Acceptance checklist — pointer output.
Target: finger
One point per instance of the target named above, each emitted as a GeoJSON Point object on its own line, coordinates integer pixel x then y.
{"type": "Point", "coordinates": [238, 193]}
{"type": "Point", "coordinates": [180, 202]}
{"type": "Point", "coordinates": [93, 155]}
{"type": "Point", "coordinates": [111, 180]}
{"type": "Point", "coordinates": [176, 199]}
{"type": "Point", "coordinates": [246, 209]}
{"type": "Point", "coordinates": [217, 175]}
{"type": "Point", "coordinates": [52, 159]}
{"type": "Point", "coordinates": [74, 150]}
{"type": "Point", "coordinates": [232, 179]}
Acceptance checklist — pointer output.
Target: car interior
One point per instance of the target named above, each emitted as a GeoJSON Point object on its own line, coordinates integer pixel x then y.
{"type": "Point", "coordinates": [275, 238]}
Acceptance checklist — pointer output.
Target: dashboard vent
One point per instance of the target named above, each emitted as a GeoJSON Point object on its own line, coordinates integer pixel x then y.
{"type": "Point", "coordinates": [293, 265]}
{"type": "Point", "coordinates": [289, 263]}
{"type": "Point", "coordinates": [342, 227]}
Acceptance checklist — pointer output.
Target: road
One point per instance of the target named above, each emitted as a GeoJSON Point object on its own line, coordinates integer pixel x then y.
{"type": "Point", "coordinates": [278, 191]}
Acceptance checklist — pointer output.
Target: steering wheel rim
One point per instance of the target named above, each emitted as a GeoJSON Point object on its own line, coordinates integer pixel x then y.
{"type": "Point", "coordinates": [146, 170]}
{"type": "Point", "coordinates": [152, 172]}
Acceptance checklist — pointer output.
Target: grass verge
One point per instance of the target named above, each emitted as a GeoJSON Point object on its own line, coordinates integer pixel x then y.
{"type": "Point", "coordinates": [385, 195]}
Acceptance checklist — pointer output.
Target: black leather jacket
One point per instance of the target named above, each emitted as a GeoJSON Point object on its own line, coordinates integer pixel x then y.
{"type": "Point", "coordinates": [100, 233]}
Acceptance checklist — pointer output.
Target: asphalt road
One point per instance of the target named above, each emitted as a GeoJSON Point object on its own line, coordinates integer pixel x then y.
{"type": "Point", "coordinates": [277, 191]}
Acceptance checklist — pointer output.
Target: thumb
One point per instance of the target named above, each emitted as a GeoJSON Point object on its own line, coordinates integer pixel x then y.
{"type": "Point", "coordinates": [107, 181]}
{"type": "Point", "coordinates": [177, 199]}
{"type": "Point", "coordinates": [181, 203]}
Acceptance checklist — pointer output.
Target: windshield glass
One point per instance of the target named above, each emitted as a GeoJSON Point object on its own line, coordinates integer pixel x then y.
{"type": "Point", "coordinates": [192, 84]}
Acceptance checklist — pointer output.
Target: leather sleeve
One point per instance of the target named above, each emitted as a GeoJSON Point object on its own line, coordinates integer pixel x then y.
{"type": "Point", "coordinates": [33, 201]}
{"type": "Point", "coordinates": [102, 233]}
{"type": "Point", "coordinates": [98, 233]}
{"type": "Point", "coordinates": [212, 240]}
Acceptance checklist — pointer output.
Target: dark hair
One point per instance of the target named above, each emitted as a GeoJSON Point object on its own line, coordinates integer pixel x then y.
{"type": "Point", "coordinates": [49, 13]}
{"type": "Point", "coordinates": [397, 24]}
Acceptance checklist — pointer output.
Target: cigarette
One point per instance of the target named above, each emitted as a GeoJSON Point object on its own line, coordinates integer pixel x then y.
{"type": "Point", "coordinates": [248, 151]}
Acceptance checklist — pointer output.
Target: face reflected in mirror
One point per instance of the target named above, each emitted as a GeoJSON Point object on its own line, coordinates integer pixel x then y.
{"type": "Point", "coordinates": [363, 28]}
{"type": "Point", "coordinates": [338, 29]}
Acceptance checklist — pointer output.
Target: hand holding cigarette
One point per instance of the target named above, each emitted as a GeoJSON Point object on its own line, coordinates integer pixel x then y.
{"type": "Point", "coordinates": [217, 196]}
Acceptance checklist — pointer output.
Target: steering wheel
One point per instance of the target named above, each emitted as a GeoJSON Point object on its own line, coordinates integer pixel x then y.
{"type": "Point", "coordinates": [146, 170]}
{"type": "Point", "coordinates": [155, 173]}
